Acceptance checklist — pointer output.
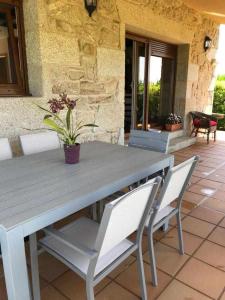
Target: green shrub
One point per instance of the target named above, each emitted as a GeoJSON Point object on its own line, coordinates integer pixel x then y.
{"type": "Point", "coordinates": [219, 99]}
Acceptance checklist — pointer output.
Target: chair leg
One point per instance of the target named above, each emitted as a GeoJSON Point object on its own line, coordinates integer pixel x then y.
{"type": "Point", "coordinates": [152, 259]}
{"type": "Point", "coordinates": [193, 130]}
{"type": "Point", "coordinates": [90, 290]}
{"type": "Point", "coordinates": [208, 133]}
{"type": "Point", "coordinates": [94, 211]}
{"type": "Point", "coordinates": [215, 136]}
{"type": "Point", "coordinates": [196, 132]}
{"type": "Point", "coordinates": [180, 234]}
{"type": "Point", "coordinates": [141, 273]}
{"type": "Point", "coordinates": [34, 267]}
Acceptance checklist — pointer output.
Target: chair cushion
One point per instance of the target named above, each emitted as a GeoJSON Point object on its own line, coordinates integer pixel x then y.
{"type": "Point", "coordinates": [83, 231]}
{"type": "Point", "coordinates": [197, 123]}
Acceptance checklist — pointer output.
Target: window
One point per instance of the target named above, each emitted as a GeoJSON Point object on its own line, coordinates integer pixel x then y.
{"type": "Point", "coordinates": [13, 80]}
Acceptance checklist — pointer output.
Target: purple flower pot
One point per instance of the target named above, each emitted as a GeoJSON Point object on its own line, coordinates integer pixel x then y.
{"type": "Point", "coordinates": [72, 153]}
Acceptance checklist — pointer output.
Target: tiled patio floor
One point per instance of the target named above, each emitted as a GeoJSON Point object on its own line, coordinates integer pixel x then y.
{"type": "Point", "coordinates": [197, 275]}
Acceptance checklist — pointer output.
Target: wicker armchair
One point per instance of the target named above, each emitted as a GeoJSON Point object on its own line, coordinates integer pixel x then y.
{"type": "Point", "coordinates": [203, 123]}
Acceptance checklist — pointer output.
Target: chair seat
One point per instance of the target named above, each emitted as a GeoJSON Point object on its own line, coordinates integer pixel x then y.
{"type": "Point", "coordinates": [83, 231]}
{"type": "Point", "coordinates": [161, 214]}
{"type": "Point", "coordinates": [197, 123]}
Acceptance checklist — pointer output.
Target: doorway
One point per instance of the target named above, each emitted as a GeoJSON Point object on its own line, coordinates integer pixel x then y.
{"type": "Point", "coordinates": [149, 82]}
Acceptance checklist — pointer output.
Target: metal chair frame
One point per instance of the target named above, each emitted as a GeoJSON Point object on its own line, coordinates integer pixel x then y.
{"type": "Point", "coordinates": [151, 227]}
{"type": "Point", "coordinates": [93, 254]}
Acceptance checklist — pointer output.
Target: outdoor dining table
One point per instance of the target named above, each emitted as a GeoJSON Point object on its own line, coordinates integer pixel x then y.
{"type": "Point", "coordinates": [40, 189]}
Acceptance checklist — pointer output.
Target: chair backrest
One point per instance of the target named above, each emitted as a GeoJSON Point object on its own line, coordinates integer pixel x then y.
{"type": "Point", "coordinates": [152, 140]}
{"type": "Point", "coordinates": [176, 182]}
{"type": "Point", "coordinates": [39, 142]}
{"type": "Point", "coordinates": [126, 215]}
{"type": "Point", "coordinates": [5, 149]}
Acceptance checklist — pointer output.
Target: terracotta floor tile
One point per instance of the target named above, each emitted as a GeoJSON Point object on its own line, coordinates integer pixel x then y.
{"type": "Point", "coordinates": [210, 164]}
{"type": "Point", "coordinates": [215, 204]}
{"type": "Point", "coordinates": [210, 183]}
{"type": "Point", "coordinates": [129, 280]}
{"type": "Point", "coordinates": [197, 227]}
{"type": "Point", "coordinates": [203, 278]}
{"type": "Point", "coordinates": [220, 172]}
{"type": "Point", "coordinates": [1, 268]}
{"type": "Point", "coordinates": [192, 197]}
{"type": "Point", "coordinates": [179, 291]}
{"type": "Point", "coordinates": [49, 293]}
{"type": "Point", "coordinates": [194, 179]}
{"type": "Point", "coordinates": [73, 286]}
{"type": "Point", "coordinates": [3, 293]}
{"type": "Point", "coordinates": [122, 267]}
{"type": "Point", "coordinates": [202, 190]}
{"type": "Point", "coordinates": [49, 267]}
{"type": "Point", "coordinates": [168, 259]}
{"type": "Point", "coordinates": [222, 223]}
{"type": "Point", "coordinates": [222, 187]}
{"type": "Point", "coordinates": [223, 296]}
{"type": "Point", "coordinates": [191, 242]}
{"type": "Point", "coordinates": [115, 291]}
{"type": "Point", "coordinates": [220, 195]}
{"type": "Point", "coordinates": [218, 236]}
{"type": "Point", "coordinates": [212, 254]}
{"type": "Point", "coordinates": [204, 170]}
{"type": "Point", "coordinates": [159, 234]}
{"type": "Point", "coordinates": [207, 214]}
{"type": "Point", "coordinates": [200, 174]}
{"type": "Point", "coordinates": [43, 282]}
{"type": "Point", "coordinates": [217, 177]}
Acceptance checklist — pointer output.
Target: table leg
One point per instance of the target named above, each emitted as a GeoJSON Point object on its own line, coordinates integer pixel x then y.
{"type": "Point", "coordinates": [14, 263]}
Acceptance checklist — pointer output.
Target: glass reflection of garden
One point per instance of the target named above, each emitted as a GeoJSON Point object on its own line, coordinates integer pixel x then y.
{"type": "Point", "coordinates": [154, 101]}
{"type": "Point", "coordinates": [219, 100]}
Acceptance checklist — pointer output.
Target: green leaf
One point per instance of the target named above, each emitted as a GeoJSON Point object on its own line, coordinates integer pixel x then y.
{"type": "Point", "coordinates": [53, 125]}
{"type": "Point", "coordinates": [68, 117]}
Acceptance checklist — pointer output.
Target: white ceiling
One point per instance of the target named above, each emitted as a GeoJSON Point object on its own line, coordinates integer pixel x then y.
{"type": "Point", "coordinates": [213, 8]}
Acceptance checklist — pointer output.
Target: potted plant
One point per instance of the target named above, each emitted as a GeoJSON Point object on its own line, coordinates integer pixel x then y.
{"type": "Point", "coordinates": [64, 126]}
{"type": "Point", "coordinates": [173, 122]}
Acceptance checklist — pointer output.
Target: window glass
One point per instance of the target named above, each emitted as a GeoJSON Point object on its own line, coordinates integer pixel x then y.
{"type": "Point", "coordinates": [12, 79]}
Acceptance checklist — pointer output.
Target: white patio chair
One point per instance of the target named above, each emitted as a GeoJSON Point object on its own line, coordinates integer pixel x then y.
{"type": "Point", "coordinates": [151, 140]}
{"type": "Point", "coordinates": [173, 189]}
{"type": "Point", "coordinates": [39, 142]}
{"type": "Point", "coordinates": [92, 250]}
{"type": "Point", "coordinates": [5, 149]}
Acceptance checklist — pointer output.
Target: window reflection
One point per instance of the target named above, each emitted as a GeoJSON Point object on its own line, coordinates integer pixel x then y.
{"type": "Point", "coordinates": [9, 51]}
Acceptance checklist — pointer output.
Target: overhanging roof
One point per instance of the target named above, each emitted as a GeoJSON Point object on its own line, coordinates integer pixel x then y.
{"type": "Point", "coordinates": [215, 9]}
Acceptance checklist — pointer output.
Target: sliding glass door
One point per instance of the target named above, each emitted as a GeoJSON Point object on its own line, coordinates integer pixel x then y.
{"type": "Point", "coordinates": [149, 83]}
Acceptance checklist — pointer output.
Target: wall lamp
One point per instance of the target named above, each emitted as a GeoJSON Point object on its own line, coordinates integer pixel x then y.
{"type": "Point", "coordinates": [91, 6]}
{"type": "Point", "coordinates": [207, 43]}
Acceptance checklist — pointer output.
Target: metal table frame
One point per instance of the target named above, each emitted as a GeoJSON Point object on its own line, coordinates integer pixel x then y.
{"type": "Point", "coordinates": [39, 190]}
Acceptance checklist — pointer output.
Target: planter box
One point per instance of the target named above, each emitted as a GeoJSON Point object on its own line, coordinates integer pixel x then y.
{"type": "Point", "coordinates": [173, 127]}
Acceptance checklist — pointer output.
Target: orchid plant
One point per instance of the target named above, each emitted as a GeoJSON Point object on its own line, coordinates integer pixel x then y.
{"type": "Point", "coordinates": [67, 131]}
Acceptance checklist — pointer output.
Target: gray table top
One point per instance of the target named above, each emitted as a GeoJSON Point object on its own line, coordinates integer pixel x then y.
{"type": "Point", "coordinates": [41, 184]}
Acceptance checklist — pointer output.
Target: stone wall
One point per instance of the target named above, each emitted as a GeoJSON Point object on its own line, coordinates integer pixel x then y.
{"type": "Point", "coordinates": [69, 51]}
